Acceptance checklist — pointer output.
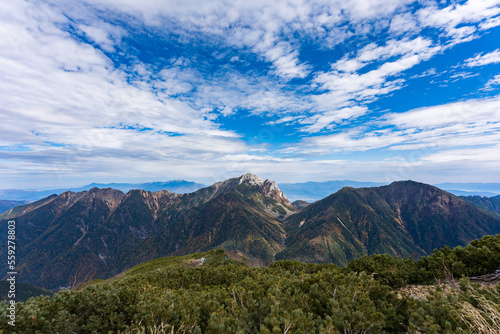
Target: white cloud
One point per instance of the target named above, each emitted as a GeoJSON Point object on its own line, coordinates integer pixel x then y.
{"type": "Point", "coordinates": [458, 20]}
{"type": "Point", "coordinates": [488, 155]}
{"type": "Point", "coordinates": [404, 47]}
{"type": "Point", "coordinates": [490, 23]}
{"type": "Point", "coordinates": [104, 34]}
{"type": "Point", "coordinates": [495, 81]}
{"type": "Point", "coordinates": [461, 124]}
{"type": "Point", "coordinates": [348, 141]}
{"type": "Point", "coordinates": [77, 112]}
{"type": "Point", "coordinates": [345, 86]}
{"type": "Point", "coordinates": [404, 23]}
{"type": "Point", "coordinates": [428, 73]}
{"type": "Point", "coordinates": [463, 75]}
{"type": "Point", "coordinates": [286, 119]}
{"type": "Point", "coordinates": [450, 17]}
{"type": "Point", "coordinates": [274, 32]}
{"type": "Point", "coordinates": [250, 157]}
{"type": "Point", "coordinates": [287, 65]}
{"type": "Point", "coordinates": [468, 112]}
{"type": "Point", "coordinates": [60, 95]}
{"type": "Point", "coordinates": [328, 119]}
{"type": "Point", "coordinates": [232, 91]}
{"type": "Point", "coordinates": [260, 25]}
{"type": "Point", "coordinates": [486, 59]}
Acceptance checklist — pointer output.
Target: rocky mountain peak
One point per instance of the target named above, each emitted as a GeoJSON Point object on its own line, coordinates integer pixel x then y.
{"type": "Point", "coordinates": [251, 179]}
{"type": "Point", "coordinates": [111, 197]}
{"type": "Point", "coordinates": [267, 187]}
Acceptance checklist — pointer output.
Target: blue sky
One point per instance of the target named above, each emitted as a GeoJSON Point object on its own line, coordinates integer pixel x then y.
{"type": "Point", "coordinates": [128, 91]}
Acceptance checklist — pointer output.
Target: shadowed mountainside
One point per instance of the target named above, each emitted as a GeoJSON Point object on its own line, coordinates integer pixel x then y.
{"type": "Point", "coordinates": [404, 219]}
{"type": "Point", "coordinates": [490, 203]}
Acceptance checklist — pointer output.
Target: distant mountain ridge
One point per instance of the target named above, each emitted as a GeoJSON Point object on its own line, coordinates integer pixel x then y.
{"type": "Point", "coordinates": [471, 193]}
{"type": "Point", "coordinates": [314, 191]}
{"type": "Point", "coordinates": [474, 189]}
{"type": "Point", "coordinates": [6, 204]}
{"type": "Point", "coordinates": [177, 186]}
{"type": "Point", "coordinates": [98, 233]}
{"type": "Point", "coordinates": [306, 191]}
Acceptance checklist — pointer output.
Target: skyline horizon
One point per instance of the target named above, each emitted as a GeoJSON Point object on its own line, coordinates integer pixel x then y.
{"type": "Point", "coordinates": [465, 187]}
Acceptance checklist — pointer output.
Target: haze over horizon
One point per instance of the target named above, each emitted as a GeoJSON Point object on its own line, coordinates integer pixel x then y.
{"type": "Point", "coordinates": [119, 91]}
{"type": "Point", "coordinates": [306, 191]}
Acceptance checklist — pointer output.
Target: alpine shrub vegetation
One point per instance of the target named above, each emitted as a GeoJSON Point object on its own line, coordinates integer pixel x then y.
{"type": "Point", "coordinates": [220, 295]}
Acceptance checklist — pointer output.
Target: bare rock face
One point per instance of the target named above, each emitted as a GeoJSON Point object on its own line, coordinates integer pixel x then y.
{"type": "Point", "coordinates": [270, 189]}
{"type": "Point", "coordinates": [158, 199]}
{"type": "Point", "coordinates": [267, 187]}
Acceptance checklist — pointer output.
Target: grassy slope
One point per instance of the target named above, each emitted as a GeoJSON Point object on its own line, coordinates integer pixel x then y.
{"type": "Point", "coordinates": [190, 260]}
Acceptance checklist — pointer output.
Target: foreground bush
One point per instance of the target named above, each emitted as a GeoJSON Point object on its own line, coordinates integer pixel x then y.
{"type": "Point", "coordinates": [224, 296]}
{"type": "Point", "coordinates": [228, 299]}
{"type": "Point", "coordinates": [479, 257]}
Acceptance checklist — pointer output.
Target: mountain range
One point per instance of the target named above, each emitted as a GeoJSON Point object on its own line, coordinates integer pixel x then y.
{"type": "Point", "coordinates": [100, 232]}
{"type": "Point", "coordinates": [306, 191]}
{"type": "Point", "coordinates": [177, 186]}
{"type": "Point", "coordinates": [67, 239]}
